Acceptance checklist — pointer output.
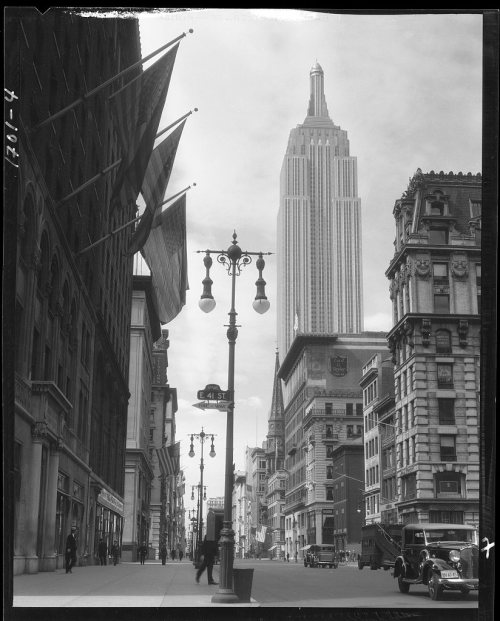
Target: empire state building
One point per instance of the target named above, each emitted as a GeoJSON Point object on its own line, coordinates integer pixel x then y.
{"type": "Point", "coordinates": [319, 229]}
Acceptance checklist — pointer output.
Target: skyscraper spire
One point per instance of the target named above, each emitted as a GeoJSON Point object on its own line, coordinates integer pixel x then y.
{"type": "Point", "coordinates": [276, 429]}
{"type": "Point", "coordinates": [317, 101]}
{"type": "Point", "coordinates": [319, 229]}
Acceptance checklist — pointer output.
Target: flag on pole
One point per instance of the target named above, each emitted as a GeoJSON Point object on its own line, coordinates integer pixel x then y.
{"type": "Point", "coordinates": [168, 457]}
{"type": "Point", "coordinates": [165, 252]}
{"type": "Point", "coordinates": [137, 108]}
{"type": "Point", "coordinates": [159, 169]}
{"type": "Point", "coordinates": [155, 183]}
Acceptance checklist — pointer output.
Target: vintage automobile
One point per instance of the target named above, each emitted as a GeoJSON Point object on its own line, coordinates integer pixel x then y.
{"type": "Point", "coordinates": [321, 555]}
{"type": "Point", "coordinates": [441, 556]}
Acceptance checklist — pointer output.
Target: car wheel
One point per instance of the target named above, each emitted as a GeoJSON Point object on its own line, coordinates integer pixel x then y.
{"type": "Point", "coordinates": [373, 566]}
{"type": "Point", "coordinates": [404, 587]}
{"type": "Point", "coordinates": [435, 589]}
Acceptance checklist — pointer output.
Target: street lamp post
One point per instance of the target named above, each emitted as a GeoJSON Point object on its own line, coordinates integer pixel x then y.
{"type": "Point", "coordinates": [233, 260]}
{"type": "Point", "coordinates": [199, 516]}
{"type": "Point", "coordinates": [201, 437]}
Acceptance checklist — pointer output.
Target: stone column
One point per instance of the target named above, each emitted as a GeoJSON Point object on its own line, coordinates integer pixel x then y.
{"type": "Point", "coordinates": [48, 562]}
{"type": "Point", "coordinates": [38, 433]}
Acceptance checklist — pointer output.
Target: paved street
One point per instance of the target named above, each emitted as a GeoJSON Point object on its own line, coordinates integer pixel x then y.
{"type": "Point", "coordinates": [275, 584]}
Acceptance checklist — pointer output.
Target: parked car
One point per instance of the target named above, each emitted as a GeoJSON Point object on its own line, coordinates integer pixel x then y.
{"type": "Point", "coordinates": [321, 555]}
{"type": "Point", "coordinates": [442, 556]}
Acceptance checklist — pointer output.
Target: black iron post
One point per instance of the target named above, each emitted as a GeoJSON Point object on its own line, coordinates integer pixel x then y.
{"type": "Point", "coordinates": [233, 259]}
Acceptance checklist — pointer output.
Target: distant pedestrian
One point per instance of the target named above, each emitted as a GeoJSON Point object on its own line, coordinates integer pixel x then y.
{"type": "Point", "coordinates": [103, 551]}
{"type": "Point", "coordinates": [208, 550]}
{"type": "Point", "coordinates": [115, 552]}
{"type": "Point", "coordinates": [287, 557]}
{"type": "Point", "coordinates": [163, 554]}
{"type": "Point", "coordinates": [70, 555]}
{"type": "Point", "coordinates": [181, 554]}
{"type": "Point", "coordinates": [295, 556]}
{"type": "Point", "coordinates": [143, 551]}
{"type": "Point", "coordinates": [172, 554]}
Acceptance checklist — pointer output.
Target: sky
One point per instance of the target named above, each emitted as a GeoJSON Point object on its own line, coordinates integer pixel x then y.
{"type": "Point", "coordinates": [406, 88]}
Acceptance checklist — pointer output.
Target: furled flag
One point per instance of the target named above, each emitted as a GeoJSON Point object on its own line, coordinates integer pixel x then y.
{"type": "Point", "coordinates": [154, 185]}
{"type": "Point", "coordinates": [168, 457]}
{"type": "Point", "coordinates": [165, 252]}
{"type": "Point", "coordinates": [138, 107]}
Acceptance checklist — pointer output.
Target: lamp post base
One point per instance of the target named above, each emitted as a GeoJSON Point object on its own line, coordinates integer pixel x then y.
{"type": "Point", "coordinates": [225, 596]}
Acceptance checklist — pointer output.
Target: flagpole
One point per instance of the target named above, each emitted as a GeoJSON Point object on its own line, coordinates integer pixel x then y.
{"type": "Point", "coordinates": [103, 239]}
{"type": "Point", "coordinates": [175, 123]}
{"type": "Point", "coordinates": [95, 178]}
{"type": "Point", "coordinates": [91, 93]}
{"type": "Point", "coordinates": [124, 226]}
{"type": "Point", "coordinates": [89, 182]}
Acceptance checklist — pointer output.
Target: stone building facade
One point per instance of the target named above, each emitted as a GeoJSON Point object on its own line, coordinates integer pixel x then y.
{"type": "Point", "coordinates": [72, 307]}
{"type": "Point", "coordinates": [435, 288]}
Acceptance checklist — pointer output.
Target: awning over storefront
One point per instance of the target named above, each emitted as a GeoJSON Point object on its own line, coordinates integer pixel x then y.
{"type": "Point", "coordinates": [306, 547]}
{"type": "Point", "coordinates": [272, 548]}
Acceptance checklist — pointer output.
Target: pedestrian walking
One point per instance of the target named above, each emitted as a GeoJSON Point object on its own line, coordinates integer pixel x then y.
{"type": "Point", "coordinates": [287, 557]}
{"type": "Point", "coordinates": [143, 551]}
{"type": "Point", "coordinates": [163, 554]}
{"type": "Point", "coordinates": [102, 550]}
{"type": "Point", "coordinates": [115, 552]}
{"type": "Point", "coordinates": [181, 554]}
{"type": "Point", "coordinates": [172, 554]}
{"type": "Point", "coordinates": [70, 555]}
{"type": "Point", "coordinates": [208, 550]}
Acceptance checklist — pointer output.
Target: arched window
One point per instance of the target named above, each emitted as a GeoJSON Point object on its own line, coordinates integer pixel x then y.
{"type": "Point", "coordinates": [43, 273]}
{"type": "Point", "coordinates": [54, 284]}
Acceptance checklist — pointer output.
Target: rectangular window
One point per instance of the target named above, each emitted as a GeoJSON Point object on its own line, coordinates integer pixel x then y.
{"type": "Point", "coordinates": [440, 272]}
{"type": "Point", "coordinates": [348, 409]}
{"type": "Point", "coordinates": [446, 411]}
{"type": "Point", "coordinates": [441, 303]}
{"type": "Point", "coordinates": [478, 274]}
{"type": "Point", "coordinates": [359, 409]}
{"type": "Point", "coordinates": [443, 342]}
{"type": "Point", "coordinates": [447, 448]}
{"type": "Point", "coordinates": [475, 209]}
{"type": "Point", "coordinates": [438, 236]}
{"type": "Point", "coordinates": [444, 375]}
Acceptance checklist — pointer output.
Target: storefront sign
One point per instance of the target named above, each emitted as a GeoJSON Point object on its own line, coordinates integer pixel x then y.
{"type": "Point", "coordinates": [110, 501]}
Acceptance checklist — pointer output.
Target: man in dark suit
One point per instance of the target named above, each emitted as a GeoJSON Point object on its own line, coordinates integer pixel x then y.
{"type": "Point", "coordinates": [208, 550]}
{"type": "Point", "coordinates": [70, 555]}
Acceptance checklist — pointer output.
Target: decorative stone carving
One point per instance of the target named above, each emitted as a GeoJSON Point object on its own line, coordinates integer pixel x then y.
{"type": "Point", "coordinates": [393, 290]}
{"type": "Point", "coordinates": [39, 431]}
{"type": "Point", "coordinates": [459, 269]}
{"type": "Point", "coordinates": [423, 268]}
{"type": "Point", "coordinates": [408, 332]}
{"type": "Point", "coordinates": [463, 329]}
{"type": "Point", "coordinates": [425, 331]}
{"type": "Point", "coordinates": [392, 348]}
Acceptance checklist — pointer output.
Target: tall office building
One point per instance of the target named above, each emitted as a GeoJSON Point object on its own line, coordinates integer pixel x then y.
{"type": "Point", "coordinates": [319, 228]}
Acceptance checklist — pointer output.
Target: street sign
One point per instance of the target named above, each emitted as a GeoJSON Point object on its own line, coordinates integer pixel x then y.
{"type": "Point", "coordinates": [213, 392]}
{"type": "Point", "coordinates": [206, 405]}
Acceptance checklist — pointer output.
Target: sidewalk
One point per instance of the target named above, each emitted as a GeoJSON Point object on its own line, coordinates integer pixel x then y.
{"type": "Point", "coordinates": [124, 585]}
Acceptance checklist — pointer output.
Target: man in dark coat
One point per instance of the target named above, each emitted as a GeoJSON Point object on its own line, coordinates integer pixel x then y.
{"type": "Point", "coordinates": [70, 554]}
{"type": "Point", "coordinates": [143, 551]}
{"type": "Point", "coordinates": [208, 550]}
{"type": "Point", "coordinates": [163, 554]}
{"type": "Point", "coordinates": [103, 551]}
{"type": "Point", "coordinates": [115, 552]}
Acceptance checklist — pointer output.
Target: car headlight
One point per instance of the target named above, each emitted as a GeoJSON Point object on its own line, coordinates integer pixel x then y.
{"type": "Point", "coordinates": [454, 556]}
